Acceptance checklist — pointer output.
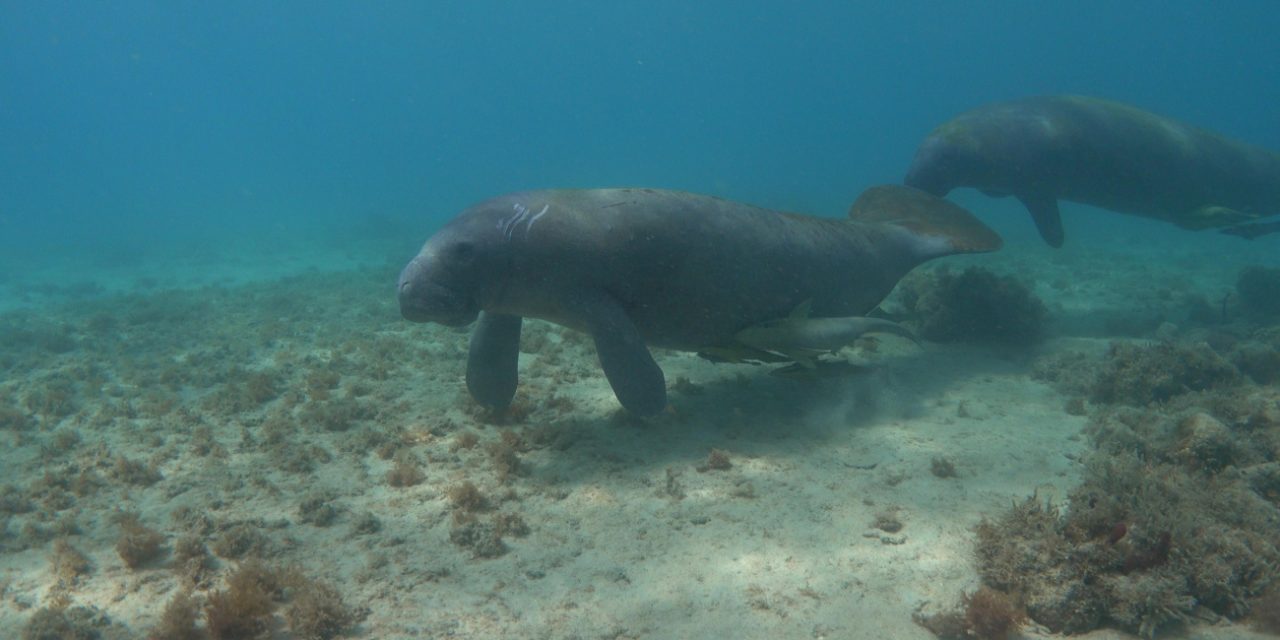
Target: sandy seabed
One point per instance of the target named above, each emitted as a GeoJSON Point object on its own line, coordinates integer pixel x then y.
{"type": "Point", "coordinates": [299, 421]}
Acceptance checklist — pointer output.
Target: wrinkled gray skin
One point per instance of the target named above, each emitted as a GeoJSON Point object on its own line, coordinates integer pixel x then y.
{"type": "Point", "coordinates": [636, 267]}
{"type": "Point", "coordinates": [1104, 154]}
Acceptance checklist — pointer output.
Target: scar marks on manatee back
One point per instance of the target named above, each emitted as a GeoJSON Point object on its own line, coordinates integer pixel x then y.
{"type": "Point", "coordinates": [509, 225]}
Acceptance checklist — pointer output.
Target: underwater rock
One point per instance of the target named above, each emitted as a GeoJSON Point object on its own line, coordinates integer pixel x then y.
{"type": "Point", "coordinates": [975, 305]}
{"type": "Point", "coordinates": [1259, 361]}
{"type": "Point", "coordinates": [1264, 479]}
{"type": "Point", "coordinates": [1205, 443]}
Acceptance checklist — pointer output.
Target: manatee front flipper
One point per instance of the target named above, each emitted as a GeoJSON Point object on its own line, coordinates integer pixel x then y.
{"type": "Point", "coordinates": [636, 379]}
{"type": "Point", "coordinates": [492, 363]}
{"type": "Point", "coordinates": [1044, 211]}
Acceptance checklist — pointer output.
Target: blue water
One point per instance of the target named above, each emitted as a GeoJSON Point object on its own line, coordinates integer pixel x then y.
{"type": "Point", "coordinates": [135, 125]}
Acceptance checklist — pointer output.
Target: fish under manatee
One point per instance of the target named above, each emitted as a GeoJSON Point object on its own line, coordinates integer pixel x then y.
{"type": "Point", "coordinates": [639, 267]}
{"type": "Point", "coordinates": [1101, 153]}
{"type": "Point", "coordinates": [801, 339]}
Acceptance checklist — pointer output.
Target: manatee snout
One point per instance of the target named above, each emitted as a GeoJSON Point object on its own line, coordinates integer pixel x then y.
{"type": "Point", "coordinates": [931, 168]}
{"type": "Point", "coordinates": [424, 299]}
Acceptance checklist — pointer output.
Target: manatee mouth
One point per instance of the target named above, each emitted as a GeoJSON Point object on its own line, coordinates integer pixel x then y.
{"type": "Point", "coordinates": [438, 305]}
{"type": "Point", "coordinates": [430, 302]}
{"type": "Point", "coordinates": [927, 179]}
{"type": "Point", "coordinates": [930, 168]}
{"type": "Point", "coordinates": [927, 183]}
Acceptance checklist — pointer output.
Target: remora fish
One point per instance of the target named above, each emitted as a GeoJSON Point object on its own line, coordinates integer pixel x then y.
{"type": "Point", "coordinates": [801, 338]}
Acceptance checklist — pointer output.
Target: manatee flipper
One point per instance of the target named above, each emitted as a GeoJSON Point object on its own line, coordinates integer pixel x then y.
{"type": "Point", "coordinates": [1044, 211]}
{"type": "Point", "coordinates": [492, 362]}
{"type": "Point", "coordinates": [636, 379]}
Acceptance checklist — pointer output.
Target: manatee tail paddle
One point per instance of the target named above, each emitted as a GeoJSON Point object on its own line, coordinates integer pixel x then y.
{"type": "Point", "coordinates": [937, 227]}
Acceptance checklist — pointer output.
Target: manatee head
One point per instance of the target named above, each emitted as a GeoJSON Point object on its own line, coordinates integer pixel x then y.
{"type": "Point", "coordinates": [460, 267]}
{"type": "Point", "coordinates": [944, 162]}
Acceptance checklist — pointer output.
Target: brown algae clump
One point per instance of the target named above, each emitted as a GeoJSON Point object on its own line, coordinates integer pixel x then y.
{"type": "Point", "coordinates": [68, 564]}
{"type": "Point", "coordinates": [406, 471]}
{"type": "Point", "coordinates": [138, 544]}
{"type": "Point", "coordinates": [246, 607]}
{"type": "Point", "coordinates": [991, 614]}
{"type": "Point", "coordinates": [179, 620]}
{"type": "Point", "coordinates": [317, 611]}
{"type": "Point", "coordinates": [465, 497]}
{"type": "Point", "coordinates": [71, 623]}
{"type": "Point", "coordinates": [1174, 522]}
{"type": "Point", "coordinates": [1142, 374]}
{"type": "Point", "coordinates": [975, 305]}
{"type": "Point", "coordinates": [717, 460]}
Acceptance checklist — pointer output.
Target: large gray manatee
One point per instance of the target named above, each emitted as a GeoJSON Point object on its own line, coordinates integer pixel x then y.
{"type": "Point", "coordinates": [637, 267]}
{"type": "Point", "coordinates": [1105, 154]}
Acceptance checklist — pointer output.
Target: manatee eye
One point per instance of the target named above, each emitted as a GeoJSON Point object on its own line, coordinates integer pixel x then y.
{"type": "Point", "coordinates": [462, 252]}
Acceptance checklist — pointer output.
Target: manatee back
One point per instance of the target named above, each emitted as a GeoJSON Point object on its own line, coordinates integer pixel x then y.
{"type": "Point", "coordinates": [935, 226]}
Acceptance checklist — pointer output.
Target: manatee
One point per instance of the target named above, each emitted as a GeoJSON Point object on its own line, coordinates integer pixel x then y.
{"type": "Point", "coordinates": [635, 268]}
{"type": "Point", "coordinates": [1101, 153]}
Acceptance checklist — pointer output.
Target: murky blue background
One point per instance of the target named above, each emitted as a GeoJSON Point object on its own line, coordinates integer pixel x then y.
{"type": "Point", "coordinates": [134, 125]}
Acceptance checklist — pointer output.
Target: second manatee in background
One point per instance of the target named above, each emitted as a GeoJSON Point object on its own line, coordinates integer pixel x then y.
{"type": "Point", "coordinates": [1101, 153]}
